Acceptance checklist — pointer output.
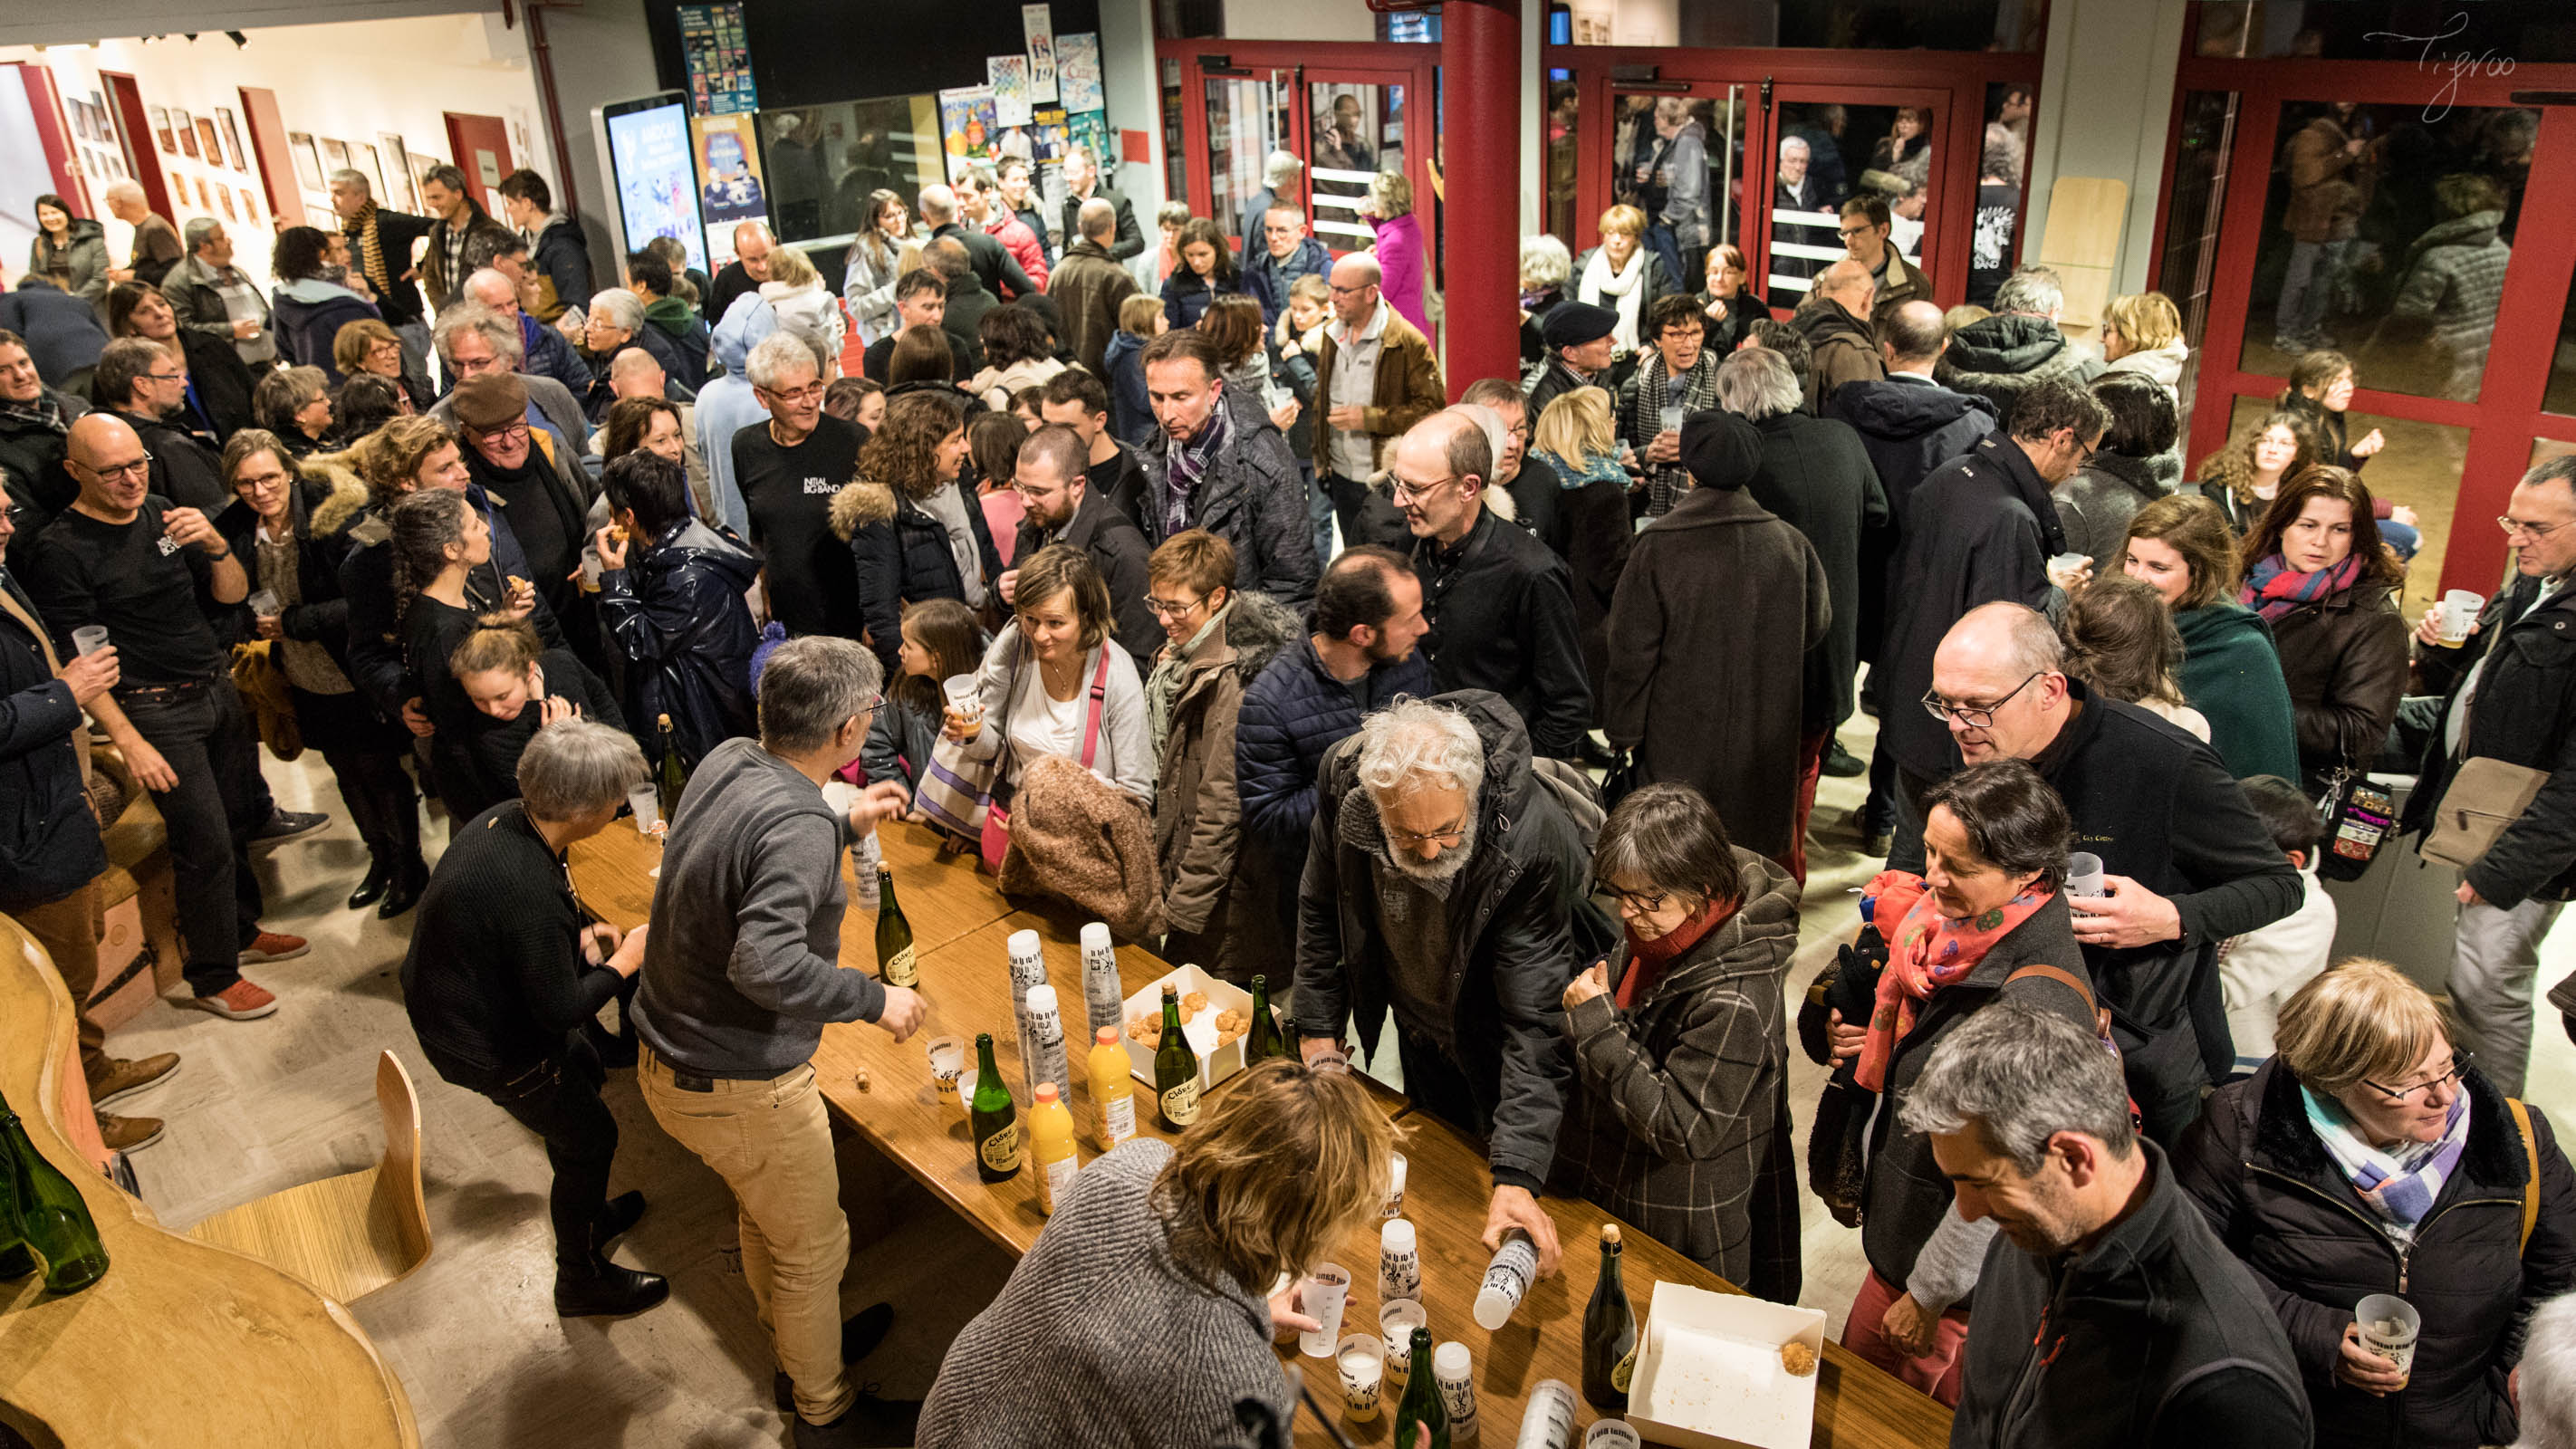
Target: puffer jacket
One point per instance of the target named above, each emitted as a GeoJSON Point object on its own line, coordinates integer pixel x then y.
{"type": "Point", "coordinates": [1511, 948]}
{"type": "Point", "coordinates": [2095, 505]}
{"type": "Point", "coordinates": [1252, 495]}
{"type": "Point", "coordinates": [2526, 715]}
{"type": "Point", "coordinates": [2344, 659]}
{"type": "Point", "coordinates": [1679, 1122]}
{"type": "Point", "coordinates": [2453, 284]}
{"type": "Point", "coordinates": [83, 256]}
{"type": "Point", "coordinates": [2282, 1204]}
{"type": "Point", "coordinates": [1219, 900]}
{"type": "Point", "coordinates": [328, 499]}
{"type": "Point", "coordinates": [903, 556]}
{"type": "Point", "coordinates": [677, 613]}
{"type": "Point", "coordinates": [1293, 713]}
{"type": "Point", "coordinates": [2000, 356]}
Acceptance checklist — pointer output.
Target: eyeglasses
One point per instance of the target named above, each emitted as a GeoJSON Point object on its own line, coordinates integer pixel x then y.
{"type": "Point", "coordinates": [505, 432]}
{"type": "Point", "coordinates": [167, 376]}
{"type": "Point", "coordinates": [1850, 232]}
{"type": "Point", "coordinates": [2459, 1063]}
{"type": "Point", "coordinates": [139, 468]}
{"type": "Point", "coordinates": [1442, 838]}
{"type": "Point", "coordinates": [1974, 716]}
{"type": "Point", "coordinates": [2535, 531]}
{"type": "Point", "coordinates": [2087, 449]}
{"type": "Point", "coordinates": [1342, 291]}
{"type": "Point", "coordinates": [1172, 608]}
{"type": "Point", "coordinates": [811, 392]}
{"type": "Point", "coordinates": [1646, 902]}
{"type": "Point", "coordinates": [1408, 493]}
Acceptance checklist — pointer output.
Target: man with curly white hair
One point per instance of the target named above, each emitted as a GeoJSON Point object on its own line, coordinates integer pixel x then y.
{"type": "Point", "coordinates": [1442, 875]}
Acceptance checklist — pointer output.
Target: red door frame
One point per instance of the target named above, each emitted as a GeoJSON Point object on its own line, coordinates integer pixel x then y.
{"type": "Point", "coordinates": [1953, 83]}
{"type": "Point", "coordinates": [44, 102]}
{"type": "Point", "coordinates": [1315, 62]}
{"type": "Point", "coordinates": [462, 127]}
{"type": "Point", "coordinates": [143, 159]}
{"type": "Point", "coordinates": [2508, 414]}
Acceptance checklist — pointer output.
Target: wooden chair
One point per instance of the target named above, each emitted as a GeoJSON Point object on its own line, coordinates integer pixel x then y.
{"type": "Point", "coordinates": [352, 1234]}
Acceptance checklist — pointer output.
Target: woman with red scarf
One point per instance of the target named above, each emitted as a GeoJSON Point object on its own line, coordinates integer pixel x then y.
{"type": "Point", "coordinates": [1680, 1123]}
{"type": "Point", "coordinates": [2319, 574]}
{"type": "Point", "coordinates": [1986, 920]}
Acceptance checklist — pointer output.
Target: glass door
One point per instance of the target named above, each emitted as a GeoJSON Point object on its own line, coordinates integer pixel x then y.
{"type": "Point", "coordinates": [1249, 115]}
{"type": "Point", "coordinates": [1829, 144]}
{"type": "Point", "coordinates": [1354, 132]}
{"type": "Point", "coordinates": [1677, 158]}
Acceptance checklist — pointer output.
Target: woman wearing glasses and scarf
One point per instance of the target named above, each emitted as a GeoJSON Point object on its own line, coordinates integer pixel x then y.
{"type": "Point", "coordinates": [2369, 1156]}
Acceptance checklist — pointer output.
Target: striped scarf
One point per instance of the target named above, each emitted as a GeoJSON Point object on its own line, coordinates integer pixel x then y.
{"type": "Point", "coordinates": [371, 248]}
{"type": "Point", "coordinates": [2273, 588]}
{"type": "Point", "coordinates": [1189, 461]}
{"type": "Point", "coordinates": [2399, 1186]}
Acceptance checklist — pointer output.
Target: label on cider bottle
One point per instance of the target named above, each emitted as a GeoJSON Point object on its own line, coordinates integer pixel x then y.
{"type": "Point", "coordinates": [900, 970]}
{"type": "Point", "coordinates": [1181, 1103]}
{"type": "Point", "coordinates": [1001, 1151]}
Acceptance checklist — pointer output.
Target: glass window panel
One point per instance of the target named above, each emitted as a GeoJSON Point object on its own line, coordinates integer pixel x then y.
{"type": "Point", "coordinates": [1829, 153]}
{"type": "Point", "coordinates": [1247, 120]}
{"type": "Point", "coordinates": [822, 161]}
{"type": "Point", "coordinates": [2481, 36]}
{"type": "Point", "coordinates": [2189, 266]}
{"type": "Point", "coordinates": [2561, 397]}
{"type": "Point", "coordinates": [1357, 132]}
{"type": "Point", "coordinates": [2386, 236]}
{"type": "Point", "coordinates": [1989, 25]}
{"type": "Point", "coordinates": [2416, 472]}
{"type": "Point", "coordinates": [1564, 115]}
{"type": "Point", "coordinates": [2003, 163]}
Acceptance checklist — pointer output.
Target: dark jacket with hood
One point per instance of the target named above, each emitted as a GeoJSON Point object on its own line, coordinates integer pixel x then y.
{"type": "Point", "coordinates": [1906, 1194]}
{"type": "Point", "coordinates": [1679, 1122]}
{"type": "Point", "coordinates": [310, 313]}
{"type": "Point", "coordinates": [902, 555]}
{"type": "Point", "coordinates": [187, 466]}
{"type": "Point", "coordinates": [1293, 713]}
{"type": "Point", "coordinates": [1511, 950]}
{"type": "Point", "coordinates": [1252, 495]}
{"type": "Point", "coordinates": [1909, 425]}
{"type": "Point", "coordinates": [2153, 1337]}
{"type": "Point", "coordinates": [1220, 890]}
{"type": "Point", "coordinates": [677, 614]}
{"type": "Point", "coordinates": [560, 254]}
{"type": "Point", "coordinates": [1118, 550]}
{"type": "Point", "coordinates": [31, 468]}
{"type": "Point", "coordinates": [680, 325]}
{"type": "Point", "coordinates": [2280, 1202]}
{"type": "Point", "coordinates": [2095, 506]}
{"type": "Point", "coordinates": [1999, 356]}
{"type": "Point", "coordinates": [2525, 715]}
{"type": "Point", "coordinates": [1845, 347]}
{"type": "Point", "coordinates": [83, 256]}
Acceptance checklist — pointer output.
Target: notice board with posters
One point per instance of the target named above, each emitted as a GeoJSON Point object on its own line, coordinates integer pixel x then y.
{"type": "Point", "coordinates": [716, 46]}
{"type": "Point", "coordinates": [818, 52]}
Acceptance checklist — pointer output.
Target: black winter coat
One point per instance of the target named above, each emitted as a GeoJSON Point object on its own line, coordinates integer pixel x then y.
{"type": "Point", "coordinates": [222, 380]}
{"type": "Point", "coordinates": [186, 469]}
{"type": "Point", "coordinates": [49, 840]}
{"type": "Point", "coordinates": [2525, 715]}
{"type": "Point", "coordinates": [1909, 426]}
{"type": "Point", "coordinates": [1816, 476]}
{"type": "Point", "coordinates": [1293, 713]}
{"type": "Point", "coordinates": [903, 557]}
{"type": "Point", "coordinates": [677, 616]}
{"type": "Point", "coordinates": [1253, 495]}
{"type": "Point", "coordinates": [1502, 615]}
{"type": "Point", "coordinates": [31, 469]}
{"type": "Point", "coordinates": [61, 331]}
{"type": "Point", "coordinates": [1511, 948]}
{"type": "Point", "coordinates": [2280, 1202]}
{"type": "Point", "coordinates": [321, 508]}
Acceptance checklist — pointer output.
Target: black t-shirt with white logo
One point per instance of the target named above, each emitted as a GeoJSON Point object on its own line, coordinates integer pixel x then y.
{"type": "Point", "coordinates": [813, 583]}
{"type": "Point", "coordinates": [148, 591]}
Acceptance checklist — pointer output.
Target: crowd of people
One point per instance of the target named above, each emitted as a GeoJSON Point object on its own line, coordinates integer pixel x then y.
{"type": "Point", "coordinates": [1498, 722]}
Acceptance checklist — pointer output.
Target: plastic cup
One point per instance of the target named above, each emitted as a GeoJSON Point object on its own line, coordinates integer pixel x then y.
{"type": "Point", "coordinates": [1328, 1291]}
{"type": "Point", "coordinates": [962, 696]}
{"type": "Point", "coordinates": [1394, 1188]}
{"type": "Point", "coordinates": [1361, 1360]}
{"type": "Point", "coordinates": [2389, 1325]}
{"type": "Point", "coordinates": [264, 603]}
{"type": "Point", "coordinates": [965, 1093]}
{"type": "Point", "coordinates": [1610, 1434]}
{"type": "Point", "coordinates": [2084, 874]}
{"type": "Point", "coordinates": [89, 638]}
{"type": "Point", "coordinates": [2459, 611]}
{"type": "Point", "coordinates": [1672, 417]}
{"type": "Point", "coordinates": [1396, 1322]}
{"type": "Point", "coordinates": [2065, 563]}
{"type": "Point", "coordinates": [947, 1061]}
{"type": "Point", "coordinates": [647, 805]}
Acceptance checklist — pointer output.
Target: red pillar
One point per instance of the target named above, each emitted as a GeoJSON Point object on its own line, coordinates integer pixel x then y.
{"type": "Point", "coordinates": [1480, 42]}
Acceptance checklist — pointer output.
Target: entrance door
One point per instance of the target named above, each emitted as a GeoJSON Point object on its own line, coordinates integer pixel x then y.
{"type": "Point", "coordinates": [481, 145]}
{"type": "Point", "coordinates": [143, 159]}
{"type": "Point", "coordinates": [1353, 130]}
{"type": "Point", "coordinates": [1829, 143]}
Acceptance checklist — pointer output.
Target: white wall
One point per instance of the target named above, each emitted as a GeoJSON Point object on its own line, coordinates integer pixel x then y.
{"type": "Point", "coordinates": [345, 82]}
{"type": "Point", "coordinates": [1291, 20]}
{"type": "Point", "coordinates": [601, 53]}
{"type": "Point", "coordinates": [2106, 96]}
{"type": "Point", "coordinates": [1130, 87]}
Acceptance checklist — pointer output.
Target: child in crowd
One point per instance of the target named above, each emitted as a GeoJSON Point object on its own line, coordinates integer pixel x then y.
{"type": "Point", "coordinates": [1171, 216]}
{"type": "Point", "coordinates": [1131, 412]}
{"type": "Point", "coordinates": [940, 641]}
{"type": "Point", "coordinates": [2260, 969]}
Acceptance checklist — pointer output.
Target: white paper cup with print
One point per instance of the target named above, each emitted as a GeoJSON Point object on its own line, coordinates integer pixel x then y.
{"type": "Point", "coordinates": [963, 698]}
{"type": "Point", "coordinates": [647, 805]}
{"type": "Point", "coordinates": [1327, 1290]}
{"type": "Point", "coordinates": [2459, 610]}
{"type": "Point", "coordinates": [1672, 418]}
{"type": "Point", "coordinates": [1394, 1205]}
{"type": "Point", "coordinates": [1360, 1361]}
{"type": "Point", "coordinates": [89, 638]}
{"type": "Point", "coordinates": [264, 603]}
{"type": "Point", "coordinates": [2389, 1325]}
{"type": "Point", "coordinates": [1396, 1322]}
{"type": "Point", "coordinates": [964, 1096]}
{"type": "Point", "coordinates": [1610, 1434]}
{"type": "Point", "coordinates": [2084, 874]}
{"type": "Point", "coordinates": [947, 1062]}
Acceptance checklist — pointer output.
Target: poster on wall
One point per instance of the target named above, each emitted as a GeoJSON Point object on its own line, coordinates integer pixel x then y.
{"type": "Point", "coordinates": [363, 156]}
{"type": "Point", "coordinates": [308, 162]}
{"type": "Point", "coordinates": [968, 131]}
{"type": "Point", "coordinates": [1077, 71]}
{"type": "Point", "coordinates": [1090, 131]}
{"type": "Point", "coordinates": [211, 139]}
{"type": "Point", "coordinates": [1039, 27]}
{"type": "Point", "coordinates": [161, 129]}
{"type": "Point", "coordinates": [224, 197]}
{"type": "Point", "coordinates": [187, 129]}
{"type": "Point", "coordinates": [335, 156]}
{"type": "Point", "coordinates": [718, 52]}
{"type": "Point", "coordinates": [233, 151]}
{"type": "Point", "coordinates": [1007, 77]}
{"type": "Point", "coordinates": [731, 193]}
{"type": "Point", "coordinates": [422, 163]}
{"type": "Point", "coordinates": [397, 158]}
{"type": "Point", "coordinates": [1047, 135]}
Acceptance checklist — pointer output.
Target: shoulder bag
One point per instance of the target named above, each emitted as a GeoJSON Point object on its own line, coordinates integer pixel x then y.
{"type": "Point", "coordinates": [2486, 796]}
{"type": "Point", "coordinates": [995, 836]}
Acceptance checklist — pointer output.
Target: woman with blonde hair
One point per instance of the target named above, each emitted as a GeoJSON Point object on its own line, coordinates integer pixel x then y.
{"type": "Point", "coordinates": [1142, 1315]}
{"type": "Point", "coordinates": [1576, 440]}
{"type": "Point", "coordinates": [2142, 333]}
{"type": "Point", "coordinates": [1404, 275]}
{"type": "Point", "coordinates": [2370, 1156]}
{"type": "Point", "coordinates": [1624, 275]}
{"type": "Point", "coordinates": [795, 292]}
{"type": "Point", "coordinates": [2180, 547]}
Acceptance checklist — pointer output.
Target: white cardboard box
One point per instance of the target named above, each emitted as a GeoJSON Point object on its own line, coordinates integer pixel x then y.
{"type": "Point", "coordinates": [1710, 1377]}
{"type": "Point", "coordinates": [1215, 1063]}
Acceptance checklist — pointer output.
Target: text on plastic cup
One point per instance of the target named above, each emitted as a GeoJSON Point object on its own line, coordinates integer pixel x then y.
{"type": "Point", "coordinates": [647, 807]}
{"type": "Point", "coordinates": [1361, 1362]}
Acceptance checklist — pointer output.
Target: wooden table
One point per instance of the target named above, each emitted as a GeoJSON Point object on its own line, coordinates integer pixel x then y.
{"type": "Point", "coordinates": [182, 1342]}
{"type": "Point", "coordinates": [965, 981]}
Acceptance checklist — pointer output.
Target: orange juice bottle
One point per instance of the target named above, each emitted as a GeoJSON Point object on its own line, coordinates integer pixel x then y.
{"type": "Point", "coordinates": [1051, 1145]}
{"type": "Point", "coordinates": [1113, 1097]}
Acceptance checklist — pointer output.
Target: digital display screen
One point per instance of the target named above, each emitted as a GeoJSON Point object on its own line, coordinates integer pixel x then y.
{"type": "Point", "coordinates": [657, 186]}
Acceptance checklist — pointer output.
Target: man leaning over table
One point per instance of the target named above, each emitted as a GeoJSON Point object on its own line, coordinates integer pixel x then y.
{"type": "Point", "coordinates": [1442, 878]}
{"type": "Point", "coordinates": [741, 972]}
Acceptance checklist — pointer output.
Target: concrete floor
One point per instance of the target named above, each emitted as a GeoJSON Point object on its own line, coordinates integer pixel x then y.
{"type": "Point", "coordinates": [262, 1105]}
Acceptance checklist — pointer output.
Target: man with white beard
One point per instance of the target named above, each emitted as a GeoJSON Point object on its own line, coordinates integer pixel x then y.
{"type": "Point", "coordinates": [1442, 877]}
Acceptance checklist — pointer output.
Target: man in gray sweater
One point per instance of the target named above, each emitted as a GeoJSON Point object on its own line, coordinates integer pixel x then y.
{"type": "Point", "coordinates": [740, 975]}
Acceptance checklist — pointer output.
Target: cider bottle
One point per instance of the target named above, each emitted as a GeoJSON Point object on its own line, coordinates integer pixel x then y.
{"type": "Point", "coordinates": [896, 964]}
{"type": "Point", "coordinates": [993, 1120]}
{"type": "Point", "coordinates": [1113, 1097]}
{"type": "Point", "coordinates": [1264, 1040]}
{"type": "Point", "coordinates": [1051, 1146]}
{"type": "Point", "coordinates": [1176, 1068]}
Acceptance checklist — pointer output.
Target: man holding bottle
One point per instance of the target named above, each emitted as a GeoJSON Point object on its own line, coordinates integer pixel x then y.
{"type": "Point", "coordinates": [741, 972]}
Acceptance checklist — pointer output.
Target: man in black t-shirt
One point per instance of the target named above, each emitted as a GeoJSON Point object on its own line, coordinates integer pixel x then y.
{"type": "Point", "coordinates": [147, 571]}
{"type": "Point", "coordinates": [788, 468]}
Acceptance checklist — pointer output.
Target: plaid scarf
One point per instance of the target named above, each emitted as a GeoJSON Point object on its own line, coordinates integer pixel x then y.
{"type": "Point", "coordinates": [371, 248]}
{"type": "Point", "coordinates": [1189, 462]}
{"type": "Point", "coordinates": [1667, 482]}
{"type": "Point", "coordinates": [2399, 1186]}
{"type": "Point", "coordinates": [1925, 952]}
{"type": "Point", "coordinates": [2274, 588]}
{"type": "Point", "coordinates": [45, 412]}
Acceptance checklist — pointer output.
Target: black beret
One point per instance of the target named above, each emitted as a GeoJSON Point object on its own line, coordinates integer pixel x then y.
{"type": "Point", "coordinates": [1572, 324]}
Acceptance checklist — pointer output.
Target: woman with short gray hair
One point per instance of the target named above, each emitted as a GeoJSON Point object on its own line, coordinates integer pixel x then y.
{"type": "Point", "coordinates": [505, 979]}
{"type": "Point", "coordinates": [1546, 266]}
{"type": "Point", "coordinates": [1680, 1118]}
{"type": "Point", "coordinates": [1985, 922]}
{"type": "Point", "coordinates": [616, 324]}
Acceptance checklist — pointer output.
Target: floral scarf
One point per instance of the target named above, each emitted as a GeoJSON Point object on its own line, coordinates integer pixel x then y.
{"type": "Point", "coordinates": [2273, 588]}
{"type": "Point", "coordinates": [1925, 952]}
{"type": "Point", "coordinates": [1594, 468]}
{"type": "Point", "coordinates": [2399, 1186]}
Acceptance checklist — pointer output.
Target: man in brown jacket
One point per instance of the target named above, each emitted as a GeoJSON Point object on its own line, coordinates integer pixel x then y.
{"type": "Point", "coordinates": [1088, 287]}
{"type": "Point", "coordinates": [1375, 377]}
{"type": "Point", "coordinates": [1864, 232]}
{"type": "Point", "coordinates": [1835, 321]}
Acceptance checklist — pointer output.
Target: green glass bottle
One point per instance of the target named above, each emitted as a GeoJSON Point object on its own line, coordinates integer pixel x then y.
{"type": "Point", "coordinates": [1421, 1404]}
{"type": "Point", "coordinates": [1176, 1068]}
{"type": "Point", "coordinates": [993, 1120]}
{"type": "Point", "coordinates": [1264, 1040]}
{"type": "Point", "coordinates": [672, 778]}
{"type": "Point", "coordinates": [1609, 1333]}
{"type": "Point", "coordinates": [52, 1220]}
{"type": "Point", "coordinates": [15, 1260]}
{"type": "Point", "coordinates": [896, 965]}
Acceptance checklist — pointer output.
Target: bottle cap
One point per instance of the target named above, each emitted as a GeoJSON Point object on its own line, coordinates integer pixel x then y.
{"type": "Point", "coordinates": [1171, 992]}
{"type": "Point", "coordinates": [1610, 1234]}
{"type": "Point", "coordinates": [1106, 1036]}
{"type": "Point", "coordinates": [1045, 1093]}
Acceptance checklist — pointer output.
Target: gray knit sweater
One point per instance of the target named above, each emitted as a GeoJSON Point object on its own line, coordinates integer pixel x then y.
{"type": "Point", "coordinates": [1104, 1339]}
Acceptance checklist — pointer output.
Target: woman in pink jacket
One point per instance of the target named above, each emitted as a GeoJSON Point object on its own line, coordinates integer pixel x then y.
{"type": "Point", "coordinates": [1389, 209]}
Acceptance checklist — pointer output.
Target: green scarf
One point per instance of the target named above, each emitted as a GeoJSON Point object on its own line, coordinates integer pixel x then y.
{"type": "Point", "coordinates": [1163, 689]}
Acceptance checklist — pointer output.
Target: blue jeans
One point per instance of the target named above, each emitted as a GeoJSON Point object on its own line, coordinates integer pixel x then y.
{"type": "Point", "coordinates": [2401, 537]}
{"type": "Point", "coordinates": [2308, 287]}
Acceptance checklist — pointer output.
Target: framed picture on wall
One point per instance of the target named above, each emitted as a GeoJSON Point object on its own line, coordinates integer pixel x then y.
{"type": "Point", "coordinates": [78, 115]}
{"type": "Point", "coordinates": [232, 140]}
{"type": "Point", "coordinates": [335, 156]}
{"type": "Point", "coordinates": [161, 130]}
{"type": "Point", "coordinates": [211, 140]}
{"type": "Point", "coordinates": [363, 157]}
{"type": "Point", "coordinates": [308, 162]}
{"type": "Point", "coordinates": [402, 191]}
{"type": "Point", "coordinates": [421, 165]}
{"type": "Point", "coordinates": [224, 199]}
{"type": "Point", "coordinates": [181, 122]}
{"type": "Point", "coordinates": [250, 205]}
